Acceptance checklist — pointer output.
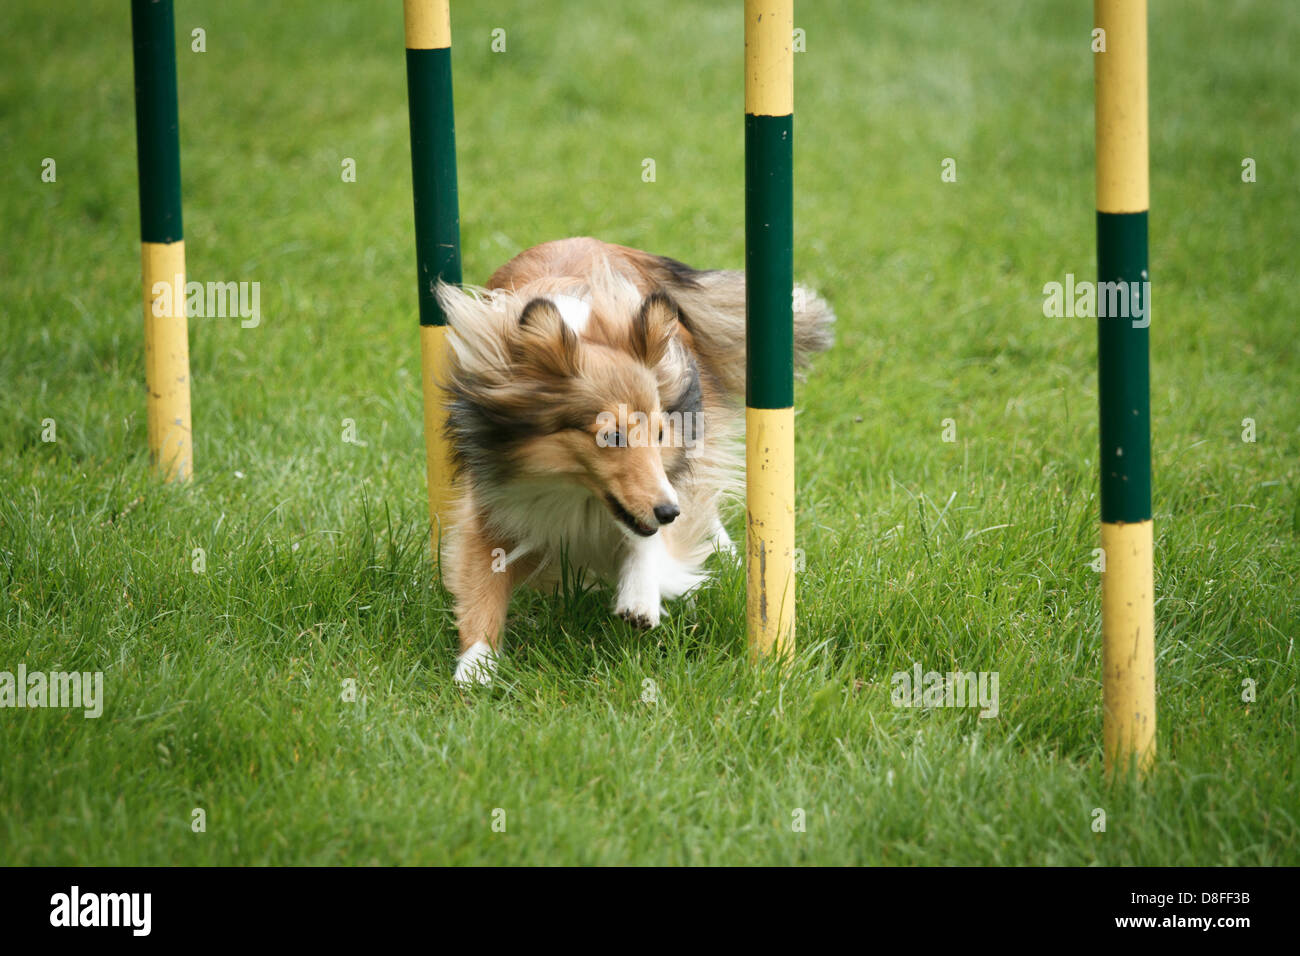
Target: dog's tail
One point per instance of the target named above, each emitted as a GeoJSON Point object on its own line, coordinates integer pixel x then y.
{"type": "Point", "coordinates": [713, 311]}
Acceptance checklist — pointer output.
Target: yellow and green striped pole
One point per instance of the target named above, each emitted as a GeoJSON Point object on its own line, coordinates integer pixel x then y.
{"type": "Point", "coordinates": [437, 223]}
{"type": "Point", "coordinates": [1127, 584]}
{"type": "Point", "coordinates": [769, 326]}
{"type": "Point", "coordinates": [158, 155]}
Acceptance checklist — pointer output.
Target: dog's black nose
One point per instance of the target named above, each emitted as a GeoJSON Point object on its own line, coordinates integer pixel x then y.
{"type": "Point", "coordinates": [665, 514]}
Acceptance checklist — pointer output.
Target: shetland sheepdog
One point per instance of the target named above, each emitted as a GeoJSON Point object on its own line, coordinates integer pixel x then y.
{"type": "Point", "coordinates": [595, 404]}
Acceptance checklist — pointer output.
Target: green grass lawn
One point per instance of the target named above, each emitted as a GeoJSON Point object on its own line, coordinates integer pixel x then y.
{"type": "Point", "coordinates": [224, 689]}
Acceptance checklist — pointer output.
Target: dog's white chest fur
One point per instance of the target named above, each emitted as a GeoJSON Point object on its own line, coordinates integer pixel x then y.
{"type": "Point", "coordinates": [554, 521]}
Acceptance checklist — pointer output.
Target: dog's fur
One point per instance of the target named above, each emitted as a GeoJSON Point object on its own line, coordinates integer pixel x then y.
{"type": "Point", "coordinates": [564, 332]}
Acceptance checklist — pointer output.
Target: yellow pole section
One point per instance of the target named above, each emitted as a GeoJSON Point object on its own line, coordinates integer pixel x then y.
{"type": "Point", "coordinates": [437, 453]}
{"type": "Point", "coordinates": [428, 24]}
{"type": "Point", "coordinates": [1128, 647]}
{"type": "Point", "coordinates": [769, 57]}
{"type": "Point", "coordinates": [769, 532]}
{"type": "Point", "coordinates": [1120, 81]}
{"type": "Point", "coordinates": [167, 359]}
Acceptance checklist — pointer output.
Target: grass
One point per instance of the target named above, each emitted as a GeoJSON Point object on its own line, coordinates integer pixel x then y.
{"type": "Point", "coordinates": [224, 688]}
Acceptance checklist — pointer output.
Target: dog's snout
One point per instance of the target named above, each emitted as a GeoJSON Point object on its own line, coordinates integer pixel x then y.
{"type": "Point", "coordinates": [665, 513]}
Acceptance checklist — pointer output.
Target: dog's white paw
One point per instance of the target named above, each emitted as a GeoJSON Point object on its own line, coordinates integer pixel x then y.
{"type": "Point", "coordinates": [645, 616]}
{"type": "Point", "coordinates": [476, 665]}
{"type": "Point", "coordinates": [638, 602]}
{"type": "Point", "coordinates": [722, 542]}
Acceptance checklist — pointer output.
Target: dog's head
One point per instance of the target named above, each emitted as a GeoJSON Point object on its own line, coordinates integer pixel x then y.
{"type": "Point", "coordinates": [600, 391]}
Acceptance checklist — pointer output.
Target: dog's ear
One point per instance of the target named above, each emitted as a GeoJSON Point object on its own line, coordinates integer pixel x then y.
{"type": "Point", "coordinates": [543, 342]}
{"type": "Point", "coordinates": [653, 327]}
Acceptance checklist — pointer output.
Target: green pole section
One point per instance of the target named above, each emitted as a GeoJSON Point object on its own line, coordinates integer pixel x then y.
{"type": "Point", "coordinates": [769, 261]}
{"type": "Point", "coordinates": [157, 135]}
{"type": "Point", "coordinates": [433, 175]}
{"type": "Point", "coordinates": [1123, 366]}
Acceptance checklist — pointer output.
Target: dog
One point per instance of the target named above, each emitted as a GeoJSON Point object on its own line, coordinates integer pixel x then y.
{"type": "Point", "coordinates": [595, 407]}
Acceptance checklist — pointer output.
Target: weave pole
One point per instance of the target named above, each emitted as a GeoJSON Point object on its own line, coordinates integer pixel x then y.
{"type": "Point", "coordinates": [158, 157]}
{"type": "Point", "coordinates": [1127, 581]}
{"type": "Point", "coordinates": [437, 224]}
{"type": "Point", "coordinates": [769, 326]}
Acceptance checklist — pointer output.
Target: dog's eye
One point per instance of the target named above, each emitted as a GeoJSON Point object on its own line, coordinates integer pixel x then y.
{"type": "Point", "coordinates": [611, 439]}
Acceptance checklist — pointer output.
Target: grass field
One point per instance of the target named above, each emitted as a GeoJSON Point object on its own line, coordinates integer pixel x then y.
{"type": "Point", "coordinates": [224, 688]}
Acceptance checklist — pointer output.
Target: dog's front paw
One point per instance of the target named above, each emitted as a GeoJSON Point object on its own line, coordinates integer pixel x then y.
{"type": "Point", "coordinates": [637, 598]}
{"type": "Point", "coordinates": [638, 604]}
{"type": "Point", "coordinates": [642, 616]}
{"type": "Point", "coordinates": [476, 666]}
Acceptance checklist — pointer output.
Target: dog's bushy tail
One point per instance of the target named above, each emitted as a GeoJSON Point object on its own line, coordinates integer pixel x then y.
{"type": "Point", "coordinates": [713, 310]}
